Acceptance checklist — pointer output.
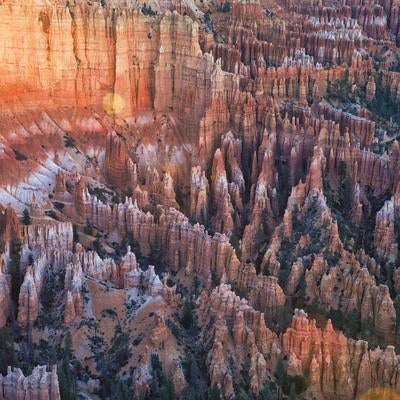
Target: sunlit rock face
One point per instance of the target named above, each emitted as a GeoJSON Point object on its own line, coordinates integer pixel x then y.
{"type": "Point", "coordinates": [84, 65]}
{"type": "Point", "coordinates": [71, 57]}
{"type": "Point", "coordinates": [199, 197]}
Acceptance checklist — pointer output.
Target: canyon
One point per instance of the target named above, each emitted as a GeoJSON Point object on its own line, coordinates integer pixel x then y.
{"type": "Point", "coordinates": [199, 200]}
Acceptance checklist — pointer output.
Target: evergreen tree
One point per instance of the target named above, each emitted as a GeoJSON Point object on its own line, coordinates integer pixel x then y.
{"type": "Point", "coordinates": [266, 393]}
{"type": "Point", "coordinates": [26, 218]}
{"type": "Point", "coordinates": [7, 351]}
{"type": "Point", "coordinates": [122, 391]}
{"type": "Point", "coordinates": [192, 370]}
{"type": "Point", "coordinates": [14, 269]}
{"type": "Point", "coordinates": [75, 235]}
{"type": "Point", "coordinates": [162, 388]}
{"type": "Point", "coordinates": [214, 393]}
{"type": "Point", "coordinates": [66, 372]}
{"type": "Point", "coordinates": [280, 375]}
{"type": "Point", "coordinates": [156, 253]}
{"type": "Point", "coordinates": [88, 228]}
{"type": "Point", "coordinates": [242, 395]}
{"type": "Point", "coordinates": [111, 358]}
{"type": "Point", "coordinates": [167, 390]}
{"type": "Point", "coordinates": [345, 189]}
{"type": "Point", "coordinates": [368, 330]}
{"type": "Point", "coordinates": [187, 314]}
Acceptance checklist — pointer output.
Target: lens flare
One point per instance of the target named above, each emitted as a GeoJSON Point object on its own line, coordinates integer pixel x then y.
{"type": "Point", "coordinates": [380, 394]}
{"type": "Point", "coordinates": [113, 104]}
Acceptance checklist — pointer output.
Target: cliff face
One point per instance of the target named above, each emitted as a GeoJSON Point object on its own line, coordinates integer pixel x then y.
{"type": "Point", "coordinates": [150, 64]}
{"type": "Point", "coordinates": [67, 66]}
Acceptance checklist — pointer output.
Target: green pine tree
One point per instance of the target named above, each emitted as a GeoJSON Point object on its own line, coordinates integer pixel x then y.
{"type": "Point", "coordinates": [26, 218]}
{"type": "Point", "coordinates": [7, 351]}
{"type": "Point", "coordinates": [122, 391]}
{"type": "Point", "coordinates": [187, 314]}
{"type": "Point", "coordinates": [214, 393]}
{"type": "Point", "coordinates": [66, 372]}
{"type": "Point", "coordinates": [14, 269]}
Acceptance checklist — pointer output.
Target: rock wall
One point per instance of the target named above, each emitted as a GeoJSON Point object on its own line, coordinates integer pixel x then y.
{"type": "Point", "coordinates": [337, 367]}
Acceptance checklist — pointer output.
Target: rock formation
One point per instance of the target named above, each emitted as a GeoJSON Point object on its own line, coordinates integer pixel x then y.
{"type": "Point", "coordinates": [337, 366]}
{"type": "Point", "coordinates": [237, 161]}
{"type": "Point", "coordinates": [40, 384]}
{"type": "Point", "coordinates": [247, 338]}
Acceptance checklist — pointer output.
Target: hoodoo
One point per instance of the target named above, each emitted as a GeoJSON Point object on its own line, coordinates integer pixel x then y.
{"type": "Point", "coordinates": [199, 200]}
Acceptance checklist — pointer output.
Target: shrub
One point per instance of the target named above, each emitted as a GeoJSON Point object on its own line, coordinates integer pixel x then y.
{"type": "Point", "coordinates": [147, 10]}
{"type": "Point", "coordinates": [19, 156]}
{"type": "Point", "coordinates": [58, 205]}
{"type": "Point", "coordinates": [69, 141]}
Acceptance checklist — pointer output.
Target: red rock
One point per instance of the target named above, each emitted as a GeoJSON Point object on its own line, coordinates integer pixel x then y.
{"type": "Point", "coordinates": [10, 226]}
{"type": "Point", "coordinates": [249, 334]}
{"type": "Point", "coordinates": [337, 366]}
